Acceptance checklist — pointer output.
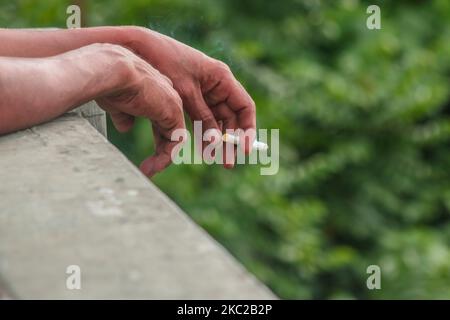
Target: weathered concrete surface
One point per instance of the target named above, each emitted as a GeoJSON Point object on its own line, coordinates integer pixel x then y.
{"type": "Point", "coordinates": [68, 197]}
{"type": "Point", "coordinates": [95, 115]}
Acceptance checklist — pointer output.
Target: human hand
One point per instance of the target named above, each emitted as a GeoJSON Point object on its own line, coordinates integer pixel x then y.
{"type": "Point", "coordinates": [209, 90]}
{"type": "Point", "coordinates": [145, 92]}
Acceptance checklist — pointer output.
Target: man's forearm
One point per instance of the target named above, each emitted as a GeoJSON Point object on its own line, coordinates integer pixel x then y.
{"type": "Point", "coordinates": [44, 43]}
{"type": "Point", "coordinates": [34, 90]}
{"type": "Point", "coordinates": [152, 46]}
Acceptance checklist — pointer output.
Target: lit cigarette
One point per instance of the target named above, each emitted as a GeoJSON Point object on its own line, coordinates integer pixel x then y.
{"type": "Point", "coordinates": [257, 145]}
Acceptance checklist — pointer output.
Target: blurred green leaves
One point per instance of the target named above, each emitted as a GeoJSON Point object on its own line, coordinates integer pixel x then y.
{"type": "Point", "coordinates": [364, 120]}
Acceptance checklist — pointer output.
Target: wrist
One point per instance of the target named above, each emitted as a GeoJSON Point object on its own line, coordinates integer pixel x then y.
{"type": "Point", "coordinates": [114, 68]}
{"type": "Point", "coordinates": [147, 44]}
{"type": "Point", "coordinates": [100, 69]}
{"type": "Point", "coordinates": [132, 37]}
{"type": "Point", "coordinates": [128, 36]}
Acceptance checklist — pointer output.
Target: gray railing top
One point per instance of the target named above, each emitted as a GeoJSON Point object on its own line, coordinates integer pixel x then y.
{"type": "Point", "coordinates": [69, 197]}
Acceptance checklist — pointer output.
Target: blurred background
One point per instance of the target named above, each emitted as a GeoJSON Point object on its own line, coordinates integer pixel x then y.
{"type": "Point", "coordinates": [364, 119]}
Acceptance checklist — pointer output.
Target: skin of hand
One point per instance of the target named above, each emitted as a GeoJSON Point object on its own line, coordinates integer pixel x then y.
{"type": "Point", "coordinates": [123, 84]}
{"type": "Point", "coordinates": [208, 89]}
{"type": "Point", "coordinates": [207, 86]}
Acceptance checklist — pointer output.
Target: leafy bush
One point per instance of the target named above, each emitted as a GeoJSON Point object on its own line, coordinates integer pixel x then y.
{"type": "Point", "coordinates": [364, 118]}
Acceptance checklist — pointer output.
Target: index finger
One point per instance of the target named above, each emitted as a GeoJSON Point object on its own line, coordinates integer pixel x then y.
{"type": "Point", "coordinates": [243, 105]}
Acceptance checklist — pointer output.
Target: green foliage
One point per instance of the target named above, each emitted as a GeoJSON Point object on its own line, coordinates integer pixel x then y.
{"type": "Point", "coordinates": [364, 120]}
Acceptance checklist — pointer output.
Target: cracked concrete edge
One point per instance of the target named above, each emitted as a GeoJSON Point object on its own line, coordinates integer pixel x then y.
{"type": "Point", "coordinates": [95, 115]}
{"type": "Point", "coordinates": [229, 259]}
{"type": "Point", "coordinates": [170, 203]}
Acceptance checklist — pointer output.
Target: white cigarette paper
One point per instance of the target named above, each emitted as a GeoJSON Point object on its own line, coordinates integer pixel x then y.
{"type": "Point", "coordinates": [257, 145]}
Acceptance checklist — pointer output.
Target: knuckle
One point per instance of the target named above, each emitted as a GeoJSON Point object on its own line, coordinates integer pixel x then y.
{"type": "Point", "coordinates": [206, 116]}
{"type": "Point", "coordinates": [222, 68]}
{"type": "Point", "coordinates": [174, 100]}
{"type": "Point", "coordinates": [222, 65]}
{"type": "Point", "coordinates": [187, 90]}
{"type": "Point", "coordinates": [172, 118]}
{"type": "Point", "coordinates": [127, 70]}
{"type": "Point", "coordinates": [167, 79]}
{"type": "Point", "coordinates": [252, 105]}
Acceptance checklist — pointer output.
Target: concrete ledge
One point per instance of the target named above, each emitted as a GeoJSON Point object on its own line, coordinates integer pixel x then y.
{"type": "Point", "coordinates": [69, 197]}
{"type": "Point", "coordinates": [95, 115]}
